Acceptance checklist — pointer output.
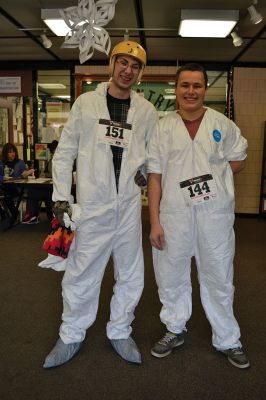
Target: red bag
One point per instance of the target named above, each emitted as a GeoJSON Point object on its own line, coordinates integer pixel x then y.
{"type": "Point", "coordinates": [59, 240]}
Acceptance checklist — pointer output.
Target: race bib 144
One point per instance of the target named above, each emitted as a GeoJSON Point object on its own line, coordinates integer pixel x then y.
{"type": "Point", "coordinates": [200, 189]}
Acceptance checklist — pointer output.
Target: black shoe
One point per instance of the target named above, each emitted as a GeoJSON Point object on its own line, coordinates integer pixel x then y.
{"type": "Point", "coordinates": [237, 357]}
{"type": "Point", "coordinates": [166, 344]}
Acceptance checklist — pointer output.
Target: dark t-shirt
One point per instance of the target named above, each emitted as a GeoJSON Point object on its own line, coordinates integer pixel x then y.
{"type": "Point", "coordinates": [118, 110]}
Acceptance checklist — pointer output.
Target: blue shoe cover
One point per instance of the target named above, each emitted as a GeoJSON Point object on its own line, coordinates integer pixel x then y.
{"type": "Point", "coordinates": [61, 353]}
{"type": "Point", "coordinates": [127, 349]}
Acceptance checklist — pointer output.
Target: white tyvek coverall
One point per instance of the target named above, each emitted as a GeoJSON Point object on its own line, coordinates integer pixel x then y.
{"type": "Point", "coordinates": [110, 222]}
{"type": "Point", "coordinates": [205, 230]}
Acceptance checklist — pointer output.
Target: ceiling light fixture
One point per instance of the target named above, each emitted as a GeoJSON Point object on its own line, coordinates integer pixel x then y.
{"type": "Point", "coordinates": [53, 19]}
{"type": "Point", "coordinates": [207, 23]}
{"type": "Point", "coordinates": [52, 85]}
{"type": "Point", "coordinates": [63, 96]}
{"type": "Point", "coordinates": [169, 96]}
{"type": "Point", "coordinates": [237, 40]}
{"type": "Point", "coordinates": [255, 16]}
{"type": "Point", "coordinates": [126, 35]}
{"type": "Point", "coordinates": [45, 41]}
{"type": "Point", "coordinates": [169, 90]}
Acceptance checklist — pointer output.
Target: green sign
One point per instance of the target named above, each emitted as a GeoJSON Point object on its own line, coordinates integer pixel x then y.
{"type": "Point", "coordinates": [161, 95]}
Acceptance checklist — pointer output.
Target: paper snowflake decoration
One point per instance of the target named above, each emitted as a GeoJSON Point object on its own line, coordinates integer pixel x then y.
{"type": "Point", "coordinates": [85, 23]}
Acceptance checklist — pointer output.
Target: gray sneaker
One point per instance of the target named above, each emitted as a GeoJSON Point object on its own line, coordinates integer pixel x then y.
{"type": "Point", "coordinates": [167, 343]}
{"type": "Point", "coordinates": [237, 357]}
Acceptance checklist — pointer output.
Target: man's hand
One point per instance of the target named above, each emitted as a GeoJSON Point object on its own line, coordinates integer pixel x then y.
{"type": "Point", "coordinates": [140, 179]}
{"type": "Point", "coordinates": [59, 208]}
{"type": "Point", "coordinates": [157, 238]}
{"type": "Point", "coordinates": [237, 166]}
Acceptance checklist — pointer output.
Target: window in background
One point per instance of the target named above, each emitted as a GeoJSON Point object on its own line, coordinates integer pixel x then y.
{"type": "Point", "coordinates": [162, 94]}
{"type": "Point", "coordinates": [54, 103]}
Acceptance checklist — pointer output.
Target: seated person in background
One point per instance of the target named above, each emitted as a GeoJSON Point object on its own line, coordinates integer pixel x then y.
{"type": "Point", "coordinates": [37, 195]}
{"type": "Point", "coordinates": [17, 168]}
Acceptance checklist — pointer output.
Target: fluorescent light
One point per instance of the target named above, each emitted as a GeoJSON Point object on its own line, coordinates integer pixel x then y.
{"type": "Point", "coordinates": [58, 26]}
{"type": "Point", "coordinates": [63, 97]}
{"type": "Point", "coordinates": [169, 90]}
{"type": "Point", "coordinates": [207, 23]}
{"type": "Point", "coordinates": [52, 85]}
{"type": "Point", "coordinates": [169, 97]}
{"type": "Point", "coordinates": [53, 19]}
{"type": "Point", "coordinates": [206, 28]}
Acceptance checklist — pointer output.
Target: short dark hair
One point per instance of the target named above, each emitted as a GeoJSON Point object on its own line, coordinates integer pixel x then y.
{"type": "Point", "coordinates": [52, 146]}
{"type": "Point", "coordinates": [6, 149]}
{"type": "Point", "coordinates": [192, 67]}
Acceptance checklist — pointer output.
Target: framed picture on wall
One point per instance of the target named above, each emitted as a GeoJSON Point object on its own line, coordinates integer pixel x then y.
{"type": "Point", "coordinates": [41, 151]}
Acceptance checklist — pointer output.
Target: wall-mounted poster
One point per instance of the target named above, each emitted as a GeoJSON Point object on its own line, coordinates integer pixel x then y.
{"type": "Point", "coordinates": [41, 151]}
{"type": "Point", "coordinates": [10, 84]}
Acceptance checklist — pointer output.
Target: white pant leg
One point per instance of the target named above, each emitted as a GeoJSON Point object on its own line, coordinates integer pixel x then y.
{"type": "Point", "coordinates": [83, 277]}
{"type": "Point", "coordinates": [128, 271]}
{"type": "Point", "coordinates": [172, 268]}
{"type": "Point", "coordinates": [214, 256]}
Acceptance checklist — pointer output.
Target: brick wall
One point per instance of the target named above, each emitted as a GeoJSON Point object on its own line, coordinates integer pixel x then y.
{"type": "Point", "coordinates": [250, 116]}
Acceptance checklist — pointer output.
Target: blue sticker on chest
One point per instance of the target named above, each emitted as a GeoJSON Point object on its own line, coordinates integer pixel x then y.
{"type": "Point", "coordinates": [216, 135]}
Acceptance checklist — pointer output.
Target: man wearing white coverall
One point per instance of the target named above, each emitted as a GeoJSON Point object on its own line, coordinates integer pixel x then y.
{"type": "Point", "coordinates": [106, 125]}
{"type": "Point", "coordinates": [191, 198]}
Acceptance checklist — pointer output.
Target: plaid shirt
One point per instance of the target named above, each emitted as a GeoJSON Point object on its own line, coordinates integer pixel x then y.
{"type": "Point", "coordinates": [118, 110]}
